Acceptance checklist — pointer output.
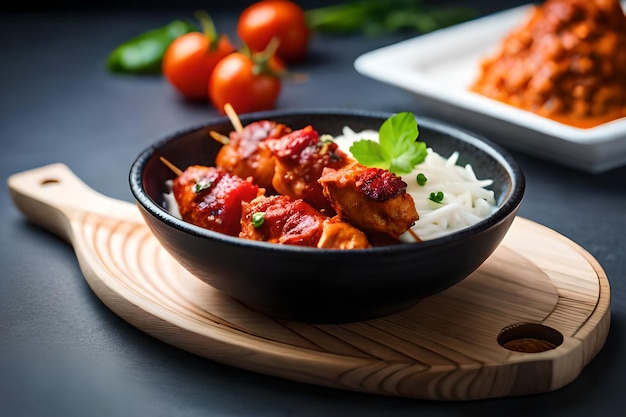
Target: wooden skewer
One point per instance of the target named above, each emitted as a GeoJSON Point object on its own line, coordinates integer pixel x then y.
{"type": "Point", "coordinates": [171, 166]}
{"type": "Point", "coordinates": [223, 139]}
{"type": "Point", "coordinates": [414, 235]}
{"type": "Point", "coordinates": [234, 118]}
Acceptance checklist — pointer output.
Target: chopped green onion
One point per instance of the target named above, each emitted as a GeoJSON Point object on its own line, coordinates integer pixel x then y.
{"type": "Point", "coordinates": [421, 179]}
{"type": "Point", "coordinates": [436, 197]}
{"type": "Point", "coordinates": [257, 219]}
{"type": "Point", "coordinates": [202, 185]}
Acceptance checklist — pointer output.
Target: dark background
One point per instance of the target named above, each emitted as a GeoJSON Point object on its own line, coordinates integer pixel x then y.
{"type": "Point", "coordinates": [63, 353]}
{"type": "Point", "coordinates": [481, 6]}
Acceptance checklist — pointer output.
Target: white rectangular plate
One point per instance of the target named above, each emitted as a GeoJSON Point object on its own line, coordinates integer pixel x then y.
{"type": "Point", "coordinates": [439, 67]}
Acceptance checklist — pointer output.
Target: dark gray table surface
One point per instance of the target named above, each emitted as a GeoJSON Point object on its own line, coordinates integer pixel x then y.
{"type": "Point", "coordinates": [63, 353]}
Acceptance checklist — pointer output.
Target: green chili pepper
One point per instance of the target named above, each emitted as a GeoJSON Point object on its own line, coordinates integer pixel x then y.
{"type": "Point", "coordinates": [144, 53]}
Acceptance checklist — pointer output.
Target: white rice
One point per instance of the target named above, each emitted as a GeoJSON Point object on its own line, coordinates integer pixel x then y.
{"type": "Point", "coordinates": [170, 201]}
{"type": "Point", "coordinates": [466, 199]}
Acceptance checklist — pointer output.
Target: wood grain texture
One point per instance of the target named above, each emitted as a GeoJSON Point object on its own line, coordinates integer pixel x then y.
{"type": "Point", "coordinates": [444, 348]}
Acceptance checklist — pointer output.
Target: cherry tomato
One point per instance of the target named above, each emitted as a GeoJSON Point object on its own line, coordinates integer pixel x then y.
{"type": "Point", "coordinates": [244, 83]}
{"type": "Point", "coordinates": [282, 19]}
{"type": "Point", "coordinates": [190, 59]}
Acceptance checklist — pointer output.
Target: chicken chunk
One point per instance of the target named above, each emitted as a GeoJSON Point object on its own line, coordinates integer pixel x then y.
{"type": "Point", "coordinates": [281, 219]}
{"type": "Point", "coordinates": [300, 159]}
{"type": "Point", "coordinates": [338, 234]}
{"type": "Point", "coordinates": [245, 155]}
{"type": "Point", "coordinates": [211, 197]}
{"type": "Point", "coordinates": [372, 199]}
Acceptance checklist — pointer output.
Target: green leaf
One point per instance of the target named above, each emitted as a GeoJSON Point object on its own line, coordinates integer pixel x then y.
{"type": "Point", "coordinates": [397, 133]}
{"type": "Point", "coordinates": [377, 17]}
{"type": "Point", "coordinates": [369, 153]}
{"type": "Point", "coordinates": [397, 149]}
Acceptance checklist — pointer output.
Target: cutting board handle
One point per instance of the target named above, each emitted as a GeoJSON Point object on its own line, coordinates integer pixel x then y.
{"type": "Point", "coordinates": [52, 196]}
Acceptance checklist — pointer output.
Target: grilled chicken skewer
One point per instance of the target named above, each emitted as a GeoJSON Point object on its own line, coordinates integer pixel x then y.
{"type": "Point", "coordinates": [305, 188]}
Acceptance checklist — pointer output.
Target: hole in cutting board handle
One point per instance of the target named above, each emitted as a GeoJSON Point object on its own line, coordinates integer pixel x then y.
{"type": "Point", "coordinates": [529, 338]}
{"type": "Point", "coordinates": [49, 181]}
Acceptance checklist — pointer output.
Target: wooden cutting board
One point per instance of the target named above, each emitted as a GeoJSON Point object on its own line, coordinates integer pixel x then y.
{"type": "Point", "coordinates": [527, 321]}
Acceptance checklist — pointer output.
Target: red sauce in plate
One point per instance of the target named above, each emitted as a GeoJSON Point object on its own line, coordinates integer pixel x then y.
{"type": "Point", "coordinates": [567, 62]}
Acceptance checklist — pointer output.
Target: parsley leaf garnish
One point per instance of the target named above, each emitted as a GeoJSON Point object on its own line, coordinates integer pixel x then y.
{"type": "Point", "coordinates": [397, 149]}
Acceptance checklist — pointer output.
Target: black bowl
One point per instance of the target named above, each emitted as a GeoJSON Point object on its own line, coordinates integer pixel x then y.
{"type": "Point", "coordinates": [320, 285]}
